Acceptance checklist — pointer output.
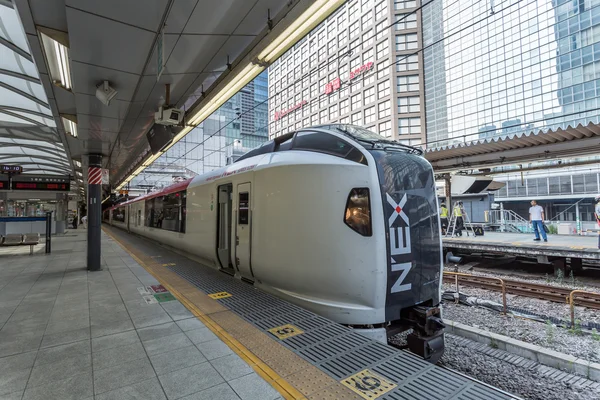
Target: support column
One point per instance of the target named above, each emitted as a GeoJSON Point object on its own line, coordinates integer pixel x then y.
{"type": "Point", "coordinates": [448, 189]}
{"type": "Point", "coordinates": [62, 200]}
{"type": "Point", "coordinates": [577, 219]}
{"type": "Point", "coordinates": [94, 211]}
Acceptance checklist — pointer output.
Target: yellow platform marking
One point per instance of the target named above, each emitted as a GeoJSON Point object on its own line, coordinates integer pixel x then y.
{"type": "Point", "coordinates": [169, 265]}
{"type": "Point", "coordinates": [219, 295]}
{"type": "Point", "coordinates": [368, 385]}
{"type": "Point", "coordinates": [288, 391]}
{"type": "Point", "coordinates": [286, 331]}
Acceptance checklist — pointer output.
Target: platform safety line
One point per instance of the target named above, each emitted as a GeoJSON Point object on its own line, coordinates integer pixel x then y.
{"type": "Point", "coordinates": [260, 367]}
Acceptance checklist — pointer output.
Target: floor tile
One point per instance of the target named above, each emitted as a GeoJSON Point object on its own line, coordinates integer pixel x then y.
{"type": "Point", "coordinates": [58, 353]}
{"type": "Point", "coordinates": [118, 355]}
{"type": "Point", "coordinates": [75, 387]}
{"type": "Point", "coordinates": [145, 390]}
{"type": "Point", "coordinates": [176, 310]}
{"type": "Point", "coordinates": [253, 387]}
{"type": "Point", "coordinates": [219, 392]}
{"type": "Point", "coordinates": [152, 320]}
{"type": "Point", "coordinates": [185, 357]}
{"type": "Point", "coordinates": [47, 373]}
{"type": "Point", "coordinates": [190, 380]}
{"type": "Point", "coordinates": [116, 340]}
{"type": "Point", "coordinates": [14, 380]}
{"type": "Point", "coordinates": [12, 396]}
{"type": "Point", "coordinates": [190, 324]}
{"type": "Point", "coordinates": [214, 349]}
{"type": "Point", "coordinates": [201, 335]}
{"type": "Point", "coordinates": [231, 367]}
{"type": "Point", "coordinates": [122, 375]}
{"type": "Point", "coordinates": [158, 331]}
{"type": "Point", "coordinates": [111, 328]}
{"type": "Point", "coordinates": [16, 362]}
{"type": "Point", "coordinates": [167, 343]}
{"type": "Point", "coordinates": [56, 339]}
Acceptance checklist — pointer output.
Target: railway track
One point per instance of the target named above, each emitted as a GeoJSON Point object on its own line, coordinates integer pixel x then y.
{"type": "Point", "coordinates": [535, 290]}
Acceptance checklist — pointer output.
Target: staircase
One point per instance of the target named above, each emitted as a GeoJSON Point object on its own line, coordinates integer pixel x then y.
{"type": "Point", "coordinates": [508, 221]}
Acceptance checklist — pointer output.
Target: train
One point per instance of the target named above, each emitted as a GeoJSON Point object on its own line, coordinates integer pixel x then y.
{"type": "Point", "coordinates": [334, 218]}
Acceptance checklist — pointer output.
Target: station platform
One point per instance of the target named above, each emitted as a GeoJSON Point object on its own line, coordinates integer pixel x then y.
{"type": "Point", "coordinates": [522, 244]}
{"type": "Point", "coordinates": [154, 324]}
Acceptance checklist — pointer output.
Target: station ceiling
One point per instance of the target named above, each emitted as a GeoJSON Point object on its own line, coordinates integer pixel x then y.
{"type": "Point", "coordinates": [116, 41]}
{"type": "Point", "coordinates": [28, 130]}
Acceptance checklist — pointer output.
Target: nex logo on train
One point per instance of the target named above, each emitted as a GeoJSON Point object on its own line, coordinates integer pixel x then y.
{"type": "Point", "coordinates": [399, 243]}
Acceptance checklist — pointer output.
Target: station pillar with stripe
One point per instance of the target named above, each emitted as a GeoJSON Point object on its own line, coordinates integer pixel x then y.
{"type": "Point", "coordinates": [94, 211]}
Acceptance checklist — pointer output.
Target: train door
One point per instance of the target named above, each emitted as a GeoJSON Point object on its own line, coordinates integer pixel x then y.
{"type": "Point", "coordinates": [243, 230]}
{"type": "Point", "coordinates": [224, 227]}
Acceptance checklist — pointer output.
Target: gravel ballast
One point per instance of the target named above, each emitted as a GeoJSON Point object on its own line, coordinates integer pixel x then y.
{"type": "Point", "coordinates": [524, 382]}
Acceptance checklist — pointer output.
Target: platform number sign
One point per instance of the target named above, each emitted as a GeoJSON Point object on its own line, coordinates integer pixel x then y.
{"type": "Point", "coordinates": [219, 295]}
{"type": "Point", "coordinates": [286, 331]}
{"type": "Point", "coordinates": [368, 384]}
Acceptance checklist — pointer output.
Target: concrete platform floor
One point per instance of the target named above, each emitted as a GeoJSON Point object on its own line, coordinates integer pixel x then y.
{"type": "Point", "coordinates": [66, 333]}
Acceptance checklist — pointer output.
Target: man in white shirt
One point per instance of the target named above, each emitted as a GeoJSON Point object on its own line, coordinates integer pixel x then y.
{"type": "Point", "coordinates": [536, 217]}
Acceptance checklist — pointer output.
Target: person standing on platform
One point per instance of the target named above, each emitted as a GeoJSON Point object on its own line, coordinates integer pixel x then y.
{"type": "Point", "coordinates": [459, 218]}
{"type": "Point", "coordinates": [536, 218]}
{"type": "Point", "coordinates": [597, 214]}
{"type": "Point", "coordinates": [84, 221]}
{"type": "Point", "coordinates": [444, 217]}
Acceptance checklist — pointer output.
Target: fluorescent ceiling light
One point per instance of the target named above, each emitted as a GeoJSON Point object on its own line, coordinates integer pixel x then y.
{"type": "Point", "coordinates": [78, 173]}
{"type": "Point", "coordinates": [317, 12]}
{"type": "Point", "coordinates": [70, 127]}
{"type": "Point", "coordinates": [77, 163]}
{"type": "Point", "coordinates": [57, 57]}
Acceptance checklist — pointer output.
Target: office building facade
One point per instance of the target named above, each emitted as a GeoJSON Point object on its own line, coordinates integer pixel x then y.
{"type": "Point", "coordinates": [353, 68]}
{"type": "Point", "coordinates": [509, 67]}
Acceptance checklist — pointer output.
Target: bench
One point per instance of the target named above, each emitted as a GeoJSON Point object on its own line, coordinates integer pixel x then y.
{"type": "Point", "coordinates": [16, 239]}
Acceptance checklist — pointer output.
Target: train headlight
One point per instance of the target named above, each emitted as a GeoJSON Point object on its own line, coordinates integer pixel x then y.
{"type": "Point", "coordinates": [358, 211]}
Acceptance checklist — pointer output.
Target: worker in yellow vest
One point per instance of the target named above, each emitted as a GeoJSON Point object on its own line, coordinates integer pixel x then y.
{"type": "Point", "coordinates": [444, 217]}
{"type": "Point", "coordinates": [459, 218]}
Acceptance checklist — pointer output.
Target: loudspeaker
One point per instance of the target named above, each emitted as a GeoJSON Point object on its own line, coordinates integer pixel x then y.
{"type": "Point", "coordinates": [478, 230]}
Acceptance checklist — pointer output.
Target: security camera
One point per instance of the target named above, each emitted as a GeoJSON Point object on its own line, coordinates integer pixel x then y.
{"type": "Point", "coordinates": [168, 116]}
{"type": "Point", "coordinates": [105, 93]}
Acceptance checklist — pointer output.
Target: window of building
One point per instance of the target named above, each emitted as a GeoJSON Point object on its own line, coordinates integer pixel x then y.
{"type": "Point", "coordinates": [369, 96]}
{"type": "Point", "coordinates": [356, 119]}
{"type": "Point", "coordinates": [385, 129]}
{"type": "Point", "coordinates": [382, 49]}
{"type": "Point", "coordinates": [384, 109]}
{"type": "Point", "coordinates": [381, 10]}
{"type": "Point", "coordinates": [314, 119]}
{"type": "Point", "coordinates": [403, 4]}
{"type": "Point", "coordinates": [356, 45]}
{"type": "Point", "coordinates": [409, 126]}
{"type": "Point", "coordinates": [354, 29]}
{"type": "Point", "coordinates": [355, 63]}
{"type": "Point", "coordinates": [321, 37]}
{"type": "Point", "coordinates": [356, 103]}
{"type": "Point", "coordinates": [407, 63]}
{"type": "Point", "coordinates": [333, 112]}
{"type": "Point", "coordinates": [323, 116]}
{"type": "Point", "coordinates": [368, 78]}
{"type": "Point", "coordinates": [409, 83]}
{"type": "Point", "coordinates": [382, 69]}
{"type": "Point", "coordinates": [369, 115]}
{"type": "Point", "coordinates": [353, 11]}
{"type": "Point", "coordinates": [381, 30]}
{"type": "Point", "coordinates": [331, 46]}
{"type": "Point", "coordinates": [409, 104]}
{"type": "Point", "coordinates": [314, 90]}
{"type": "Point", "coordinates": [344, 120]}
{"type": "Point", "coordinates": [366, 5]}
{"type": "Point", "coordinates": [322, 53]}
{"type": "Point", "coordinates": [344, 106]}
{"type": "Point", "coordinates": [367, 38]}
{"type": "Point", "coordinates": [406, 21]}
{"type": "Point", "coordinates": [367, 20]}
{"type": "Point", "coordinates": [342, 38]}
{"type": "Point", "coordinates": [406, 42]}
{"type": "Point", "coordinates": [383, 89]}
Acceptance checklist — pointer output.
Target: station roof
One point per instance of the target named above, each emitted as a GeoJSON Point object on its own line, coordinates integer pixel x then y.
{"type": "Point", "coordinates": [207, 44]}
{"type": "Point", "coordinates": [543, 145]}
{"type": "Point", "coordinates": [28, 130]}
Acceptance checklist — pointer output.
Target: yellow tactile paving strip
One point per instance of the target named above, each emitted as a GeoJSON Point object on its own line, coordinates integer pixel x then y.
{"type": "Point", "coordinates": [289, 374]}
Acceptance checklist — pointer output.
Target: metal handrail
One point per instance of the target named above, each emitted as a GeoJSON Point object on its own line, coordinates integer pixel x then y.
{"type": "Point", "coordinates": [503, 285]}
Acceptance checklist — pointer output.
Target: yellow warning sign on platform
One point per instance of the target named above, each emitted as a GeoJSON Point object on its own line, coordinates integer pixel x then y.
{"type": "Point", "coordinates": [219, 295]}
{"type": "Point", "coordinates": [286, 331]}
{"type": "Point", "coordinates": [368, 384]}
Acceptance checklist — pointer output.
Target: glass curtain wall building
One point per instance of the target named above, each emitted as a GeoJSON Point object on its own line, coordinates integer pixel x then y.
{"type": "Point", "coordinates": [239, 124]}
{"type": "Point", "coordinates": [370, 74]}
{"type": "Point", "coordinates": [509, 67]}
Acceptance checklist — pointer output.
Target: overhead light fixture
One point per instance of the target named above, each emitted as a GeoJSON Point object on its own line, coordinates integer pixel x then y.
{"type": "Point", "coordinates": [70, 125]}
{"type": "Point", "coordinates": [105, 93]}
{"type": "Point", "coordinates": [55, 44]}
{"type": "Point", "coordinates": [77, 163]}
{"type": "Point", "coordinates": [310, 18]}
{"type": "Point", "coordinates": [78, 173]}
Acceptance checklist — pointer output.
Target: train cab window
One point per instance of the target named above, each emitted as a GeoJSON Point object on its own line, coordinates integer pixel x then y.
{"type": "Point", "coordinates": [284, 142]}
{"type": "Point", "coordinates": [322, 143]}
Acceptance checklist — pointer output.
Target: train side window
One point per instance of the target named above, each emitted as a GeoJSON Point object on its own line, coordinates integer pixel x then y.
{"type": "Point", "coordinates": [244, 208]}
{"type": "Point", "coordinates": [322, 143]}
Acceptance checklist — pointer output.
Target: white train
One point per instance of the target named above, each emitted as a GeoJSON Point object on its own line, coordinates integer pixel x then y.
{"type": "Point", "coordinates": [332, 218]}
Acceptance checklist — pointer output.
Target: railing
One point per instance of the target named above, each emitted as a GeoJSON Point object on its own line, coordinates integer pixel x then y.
{"type": "Point", "coordinates": [509, 221]}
